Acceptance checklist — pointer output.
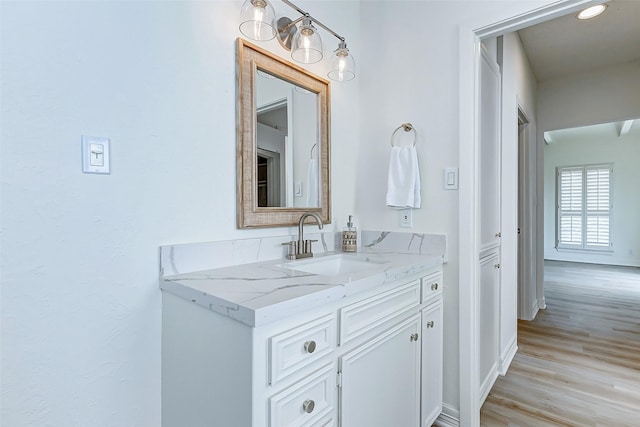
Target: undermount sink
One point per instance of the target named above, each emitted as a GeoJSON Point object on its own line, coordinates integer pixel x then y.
{"type": "Point", "coordinates": [333, 265]}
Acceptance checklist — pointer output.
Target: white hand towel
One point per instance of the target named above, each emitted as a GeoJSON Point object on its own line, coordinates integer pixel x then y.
{"type": "Point", "coordinates": [312, 184]}
{"type": "Point", "coordinates": [403, 184]}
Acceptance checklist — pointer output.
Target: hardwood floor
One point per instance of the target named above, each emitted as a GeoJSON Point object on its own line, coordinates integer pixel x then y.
{"type": "Point", "coordinates": [578, 362]}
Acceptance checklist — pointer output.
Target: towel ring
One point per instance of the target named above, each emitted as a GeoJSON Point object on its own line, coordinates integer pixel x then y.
{"type": "Point", "coordinates": [408, 127]}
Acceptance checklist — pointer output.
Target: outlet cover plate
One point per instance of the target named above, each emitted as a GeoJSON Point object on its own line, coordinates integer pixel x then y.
{"type": "Point", "coordinates": [406, 218]}
{"type": "Point", "coordinates": [95, 154]}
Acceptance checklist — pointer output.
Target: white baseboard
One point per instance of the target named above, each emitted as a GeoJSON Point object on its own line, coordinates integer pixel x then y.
{"type": "Point", "coordinates": [450, 417]}
{"type": "Point", "coordinates": [507, 356]}
{"type": "Point", "coordinates": [542, 304]}
{"type": "Point", "coordinates": [586, 257]}
{"type": "Point", "coordinates": [488, 383]}
{"type": "Point", "coordinates": [533, 310]}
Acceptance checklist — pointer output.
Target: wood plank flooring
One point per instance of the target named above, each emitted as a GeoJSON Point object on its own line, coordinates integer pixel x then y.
{"type": "Point", "coordinates": [578, 362]}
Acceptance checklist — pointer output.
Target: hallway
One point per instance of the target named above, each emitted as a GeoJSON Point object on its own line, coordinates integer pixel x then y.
{"type": "Point", "coordinates": [578, 362]}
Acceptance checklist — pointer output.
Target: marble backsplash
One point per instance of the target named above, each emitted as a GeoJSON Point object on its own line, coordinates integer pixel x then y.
{"type": "Point", "coordinates": [415, 243]}
{"type": "Point", "coordinates": [190, 257]}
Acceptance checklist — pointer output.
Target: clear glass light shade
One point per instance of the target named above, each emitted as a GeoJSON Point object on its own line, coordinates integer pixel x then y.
{"type": "Point", "coordinates": [306, 46]}
{"type": "Point", "coordinates": [342, 67]}
{"type": "Point", "coordinates": [257, 20]}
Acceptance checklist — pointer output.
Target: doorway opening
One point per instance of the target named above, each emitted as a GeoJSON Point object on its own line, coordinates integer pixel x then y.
{"type": "Point", "coordinates": [469, 212]}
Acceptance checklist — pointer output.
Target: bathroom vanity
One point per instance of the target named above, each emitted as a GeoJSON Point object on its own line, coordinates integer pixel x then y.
{"type": "Point", "coordinates": [337, 340]}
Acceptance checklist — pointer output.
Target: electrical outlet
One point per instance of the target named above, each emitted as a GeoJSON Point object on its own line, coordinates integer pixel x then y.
{"type": "Point", "coordinates": [406, 218]}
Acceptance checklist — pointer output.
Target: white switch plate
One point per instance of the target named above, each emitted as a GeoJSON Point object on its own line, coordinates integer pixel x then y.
{"type": "Point", "coordinates": [95, 154]}
{"type": "Point", "coordinates": [406, 218]}
{"type": "Point", "coordinates": [450, 178]}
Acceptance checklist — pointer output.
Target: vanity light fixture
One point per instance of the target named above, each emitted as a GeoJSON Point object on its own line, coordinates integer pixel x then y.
{"type": "Point", "coordinates": [304, 41]}
{"type": "Point", "coordinates": [342, 66]}
{"type": "Point", "coordinates": [257, 20]}
{"type": "Point", "coordinates": [592, 12]}
{"type": "Point", "coordinates": [306, 46]}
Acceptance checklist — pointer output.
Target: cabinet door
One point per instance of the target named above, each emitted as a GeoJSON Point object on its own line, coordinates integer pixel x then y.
{"type": "Point", "coordinates": [489, 152]}
{"type": "Point", "coordinates": [489, 320]}
{"type": "Point", "coordinates": [381, 379]}
{"type": "Point", "coordinates": [431, 363]}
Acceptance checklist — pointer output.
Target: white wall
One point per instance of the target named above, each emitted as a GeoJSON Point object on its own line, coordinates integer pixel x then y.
{"type": "Point", "coordinates": [413, 76]}
{"type": "Point", "coordinates": [519, 87]}
{"type": "Point", "coordinates": [600, 96]}
{"type": "Point", "coordinates": [623, 152]}
{"type": "Point", "coordinates": [80, 298]}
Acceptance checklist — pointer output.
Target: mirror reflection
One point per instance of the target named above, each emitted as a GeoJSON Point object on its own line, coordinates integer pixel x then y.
{"type": "Point", "coordinates": [283, 137]}
{"type": "Point", "coordinates": [287, 143]}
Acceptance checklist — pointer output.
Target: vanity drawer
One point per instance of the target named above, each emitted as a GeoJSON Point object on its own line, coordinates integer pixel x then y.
{"type": "Point", "coordinates": [309, 403]}
{"type": "Point", "coordinates": [299, 347]}
{"type": "Point", "coordinates": [361, 317]}
{"type": "Point", "coordinates": [325, 422]}
{"type": "Point", "coordinates": [432, 286]}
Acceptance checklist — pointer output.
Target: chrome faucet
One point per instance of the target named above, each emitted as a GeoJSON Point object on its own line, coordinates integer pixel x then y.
{"type": "Point", "coordinates": [302, 248]}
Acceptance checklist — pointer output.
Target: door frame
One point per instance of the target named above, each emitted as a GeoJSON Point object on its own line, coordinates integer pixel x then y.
{"type": "Point", "coordinates": [527, 305]}
{"type": "Point", "coordinates": [469, 215]}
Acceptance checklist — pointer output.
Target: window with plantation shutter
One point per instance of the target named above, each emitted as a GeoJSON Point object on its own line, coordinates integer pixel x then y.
{"type": "Point", "coordinates": [584, 207]}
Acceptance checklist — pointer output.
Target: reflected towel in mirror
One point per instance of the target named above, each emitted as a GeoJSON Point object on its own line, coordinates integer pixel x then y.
{"type": "Point", "coordinates": [403, 183]}
{"type": "Point", "coordinates": [312, 183]}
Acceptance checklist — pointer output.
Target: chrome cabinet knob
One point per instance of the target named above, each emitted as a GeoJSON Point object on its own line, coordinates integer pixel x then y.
{"type": "Point", "coordinates": [310, 346]}
{"type": "Point", "coordinates": [434, 287]}
{"type": "Point", "coordinates": [308, 406]}
{"type": "Point", "coordinates": [413, 337]}
{"type": "Point", "coordinates": [498, 234]}
{"type": "Point", "coordinates": [496, 266]}
{"type": "Point", "coordinates": [430, 324]}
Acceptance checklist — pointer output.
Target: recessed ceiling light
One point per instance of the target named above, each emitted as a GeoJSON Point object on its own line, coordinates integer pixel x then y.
{"type": "Point", "coordinates": [592, 12]}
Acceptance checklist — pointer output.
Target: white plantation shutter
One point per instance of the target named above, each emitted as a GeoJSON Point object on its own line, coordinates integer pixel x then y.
{"type": "Point", "coordinates": [584, 207]}
{"type": "Point", "coordinates": [598, 206]}
{"type": "Point", "coordinates": [570, 206]}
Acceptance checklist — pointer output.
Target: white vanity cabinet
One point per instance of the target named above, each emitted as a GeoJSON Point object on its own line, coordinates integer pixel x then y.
{"type": "Point", "coordinates": [371, 359]}
{"type": "Point", "coordinates": [432, 359]}
{"type": "Point", "coordinates": [379, 370]}
{"type": "Point", "coordinates": [432, 347]}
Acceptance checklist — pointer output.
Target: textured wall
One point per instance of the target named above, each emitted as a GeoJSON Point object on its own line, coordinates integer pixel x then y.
{"type": "Point", "coordinates": [80, 297]}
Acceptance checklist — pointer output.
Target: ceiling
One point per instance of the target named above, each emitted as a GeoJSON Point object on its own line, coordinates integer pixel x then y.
{"type": "Point", "coordinates": [566, 45]}
{"type": "Point", "coordinates": [625, 129]}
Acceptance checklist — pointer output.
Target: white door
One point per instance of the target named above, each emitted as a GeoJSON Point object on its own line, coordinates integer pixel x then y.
{"type": "Point", "coordinates": [489, 321]}
{"type": "Point", "coordinates": [490, 190]}
{"type": "Point", "coordinates": [381, 379]}
{"type": "Point", "coordinates": [431, 363]}
{"type": "Point", "coordinates": [490, 220]}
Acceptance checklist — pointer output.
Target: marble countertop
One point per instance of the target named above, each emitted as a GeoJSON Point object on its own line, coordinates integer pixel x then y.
{"type": "Point", "coordinates": [262, 292]}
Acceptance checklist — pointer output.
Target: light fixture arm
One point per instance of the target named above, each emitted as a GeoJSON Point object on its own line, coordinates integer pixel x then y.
{"type": "Point", "coordinates": [315, 21]}
{"type": "Point", "coordinates": [291, 24]}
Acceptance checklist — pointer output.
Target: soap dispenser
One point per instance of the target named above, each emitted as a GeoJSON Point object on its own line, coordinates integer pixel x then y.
{"type": "Point", "coordinates": [349, 237]}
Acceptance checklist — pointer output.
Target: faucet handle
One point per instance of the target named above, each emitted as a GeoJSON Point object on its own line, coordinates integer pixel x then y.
{"type": "Point", "coordinates": [307, 246]}
{"type": "Point", "coordinates": [291, 251]}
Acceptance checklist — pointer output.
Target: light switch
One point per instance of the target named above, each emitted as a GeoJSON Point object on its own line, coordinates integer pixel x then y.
{"type": "Point", "coordinates": [95, 154]}
{"type": "Point", "coordinates": [450, 178]}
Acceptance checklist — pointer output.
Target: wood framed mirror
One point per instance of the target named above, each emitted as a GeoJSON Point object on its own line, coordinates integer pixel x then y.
{"type": "Point", "coordinates": [283, 140]}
